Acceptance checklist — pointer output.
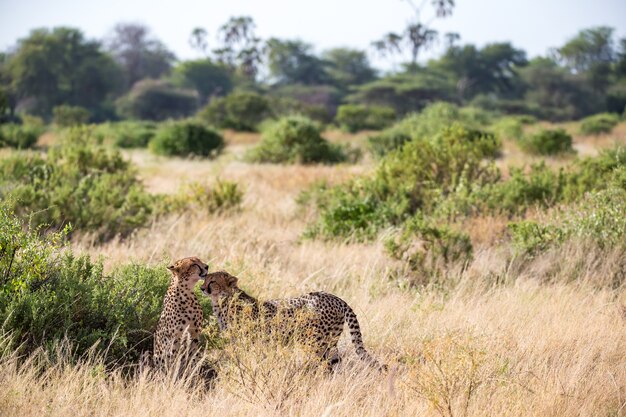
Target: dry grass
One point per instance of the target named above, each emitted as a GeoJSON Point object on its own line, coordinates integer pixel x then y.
{"type": "Point", "coordinates": [544, 338]}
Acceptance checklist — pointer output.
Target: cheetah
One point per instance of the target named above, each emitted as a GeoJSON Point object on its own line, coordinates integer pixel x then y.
{"type": "Point", "coordinates": [178, 329]}
{"type": "Point", "coordinates": [325, 315]}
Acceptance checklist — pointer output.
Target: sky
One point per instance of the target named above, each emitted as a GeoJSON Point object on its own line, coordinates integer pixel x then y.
{"type": "Point", "coordinates": [533, 25]}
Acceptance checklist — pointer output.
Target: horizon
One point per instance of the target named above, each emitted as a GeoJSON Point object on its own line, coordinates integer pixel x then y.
{"type": "Point", "coordinates": [507, 22]}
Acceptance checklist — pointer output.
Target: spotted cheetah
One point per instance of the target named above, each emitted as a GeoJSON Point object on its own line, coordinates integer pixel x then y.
{"type": "Point", "coordinates": [179, 326]}
{"type": "Point", "coordinates": [325, 315]}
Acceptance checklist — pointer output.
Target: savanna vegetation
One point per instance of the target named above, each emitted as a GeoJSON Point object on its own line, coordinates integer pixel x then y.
{"type": "Point", "coordinates": [470, 208]}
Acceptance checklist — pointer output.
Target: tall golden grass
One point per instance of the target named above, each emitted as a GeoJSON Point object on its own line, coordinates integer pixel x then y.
{"type": "Point", "coordinates": [545, 337]}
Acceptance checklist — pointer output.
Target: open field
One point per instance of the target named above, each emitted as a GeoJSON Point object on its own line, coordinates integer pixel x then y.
{"type": "Point", "coordinates": [543, 338]}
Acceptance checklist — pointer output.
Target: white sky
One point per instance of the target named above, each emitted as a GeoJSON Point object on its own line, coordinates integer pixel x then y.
{"type": "Point", "coordinates": [533, 25]}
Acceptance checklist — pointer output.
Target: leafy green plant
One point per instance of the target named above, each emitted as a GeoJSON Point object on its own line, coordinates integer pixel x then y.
{"type": "Point", "coordinates": [186, 138]}
{"type": "Point", "coordinates": [79, 182]}
{"type": "Point", "coordinates": [157, 100]}
{"type": "Point", "coordinates": [128, 134]}
{"type": "Point", "coordinates": [19, 136]}
{"type": "Point", "coordinates": [599, 217]}
{"type": "Point", "coordinates": [217, 198]}
{"type": "Point", "coordinates": [48, 294]}
{"type": "Point", "coordinates": [66, 116]}
{"type": "Point", "coordinates": [548, 142]}
{"type": "Point", "coordinates": [531, 237]}
{"type": "Point", "coordinates": [599, 123]}
{"type": "Point", "coordinates": [414, 178]}
{"type": "Point", "coordinates": [239, 110]}
{"type": "Point", "coordinates": [355, 117]}
{"type": "Point", "coordinates": [425, 246]}
{"type": "Point", "coordinates": [509, 128]}
{"type": "Point", "coordinates": [295, 139]}
{"type": "Point", "coordinates": [426, 124]}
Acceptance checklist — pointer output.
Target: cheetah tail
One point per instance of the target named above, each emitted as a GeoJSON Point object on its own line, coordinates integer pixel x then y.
{"type": "Point", "coordinates": [357, 338]}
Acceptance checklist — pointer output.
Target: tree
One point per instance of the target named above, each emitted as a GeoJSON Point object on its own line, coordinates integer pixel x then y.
{"type": "Point", "coordinates": [197, 40]}
{"type": "Point", "coordinates": [241, 50]}
{"type": "Point", "coordinates": [157, 100]}
{"type": "Point", "coordinates": [418, 35]}
{"type": "Point", "coordinates": [204, 76]}
{"type": "Point", "coordinates": [587, 49]}
{"type": "Point", "coordinates": [493, 69]}
{"type": "Point", "coordinates": [60, 66]}
{"type": "Point", "coordinates": [591, 52]}
{"type": "Point", "coordinates": [556, 93]}
{"type": "Point", "coordinates": [291, 62]}
{"type": "Point", "coordinates": [348, 67]}
{"type": "Point", "coordinates": [140, 55]}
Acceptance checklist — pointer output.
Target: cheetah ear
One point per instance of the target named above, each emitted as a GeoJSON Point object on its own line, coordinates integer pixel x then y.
{"type": "Point", "coordinates": [231, 281]}
{"type": "Point", "coordinates": [171, 268]}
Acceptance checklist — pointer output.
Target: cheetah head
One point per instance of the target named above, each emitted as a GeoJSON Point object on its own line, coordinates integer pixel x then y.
{"type": "Point", "coordinates": [188, 271]}
{"type": "Point", "coordinates": [218, 284]}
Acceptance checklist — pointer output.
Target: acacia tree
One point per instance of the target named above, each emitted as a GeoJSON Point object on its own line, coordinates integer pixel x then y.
{"type": "Point", "coordinates": [198, 40]}
{"type": "Point", "coordinates": [138, 53]}
{"type": "Point", "coordinates": [590, 53]}
{"type": "Point", "coordinates": [59, 66]}
{"type": "Point", "coordinates": [418, 35]}
{"type": "Point", "coordinates": [241, 49]}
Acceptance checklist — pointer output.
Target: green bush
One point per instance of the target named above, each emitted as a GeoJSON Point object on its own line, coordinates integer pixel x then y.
{"type": "Point", "coordinates": [18, 136]}
{"type": "Point", "coordinates": [599, 217]}
{"type": "Point", "coordinates": [128, 134]}
{"type": "Point", "coordinates": [66, 116]}
{"type": "Point", "coordinates": [531, 237]}
{"type": "Point", "coordinates": [221, 197]}
{"type": "Point", "coordinates": [599, 123]}
{"type": "Point", "coordinates": [424, 246]}
{"type": "Point", "coordinates": [541, 186]}
{"type": "Point", "coordinates": [186, 138]}
{"type": "Point", "coordinates": [594, 173]}
{"type": "Point", "coordinates": [239, 110]}
{"type": "Point", "coordinates": [48, 294]}
{"type": "Point", "coordinates": [429, 122]}
{"type": "Point", "coordinates": [287, 106]}
{"type": "Point", "coordinates": [157, 100]}
{"type": "Point", "coordinates": [79, 182]}
{"type": "Point", "coordinates": [295, 139]}
{"type": "Point", "coordinates": [414, 178]}
{"type": "Point", "coordinates": [509, 128]}
{"type": "Point", "coordinates": [355, 117]}
{"type": "Point", "coordinates": [548, 142]}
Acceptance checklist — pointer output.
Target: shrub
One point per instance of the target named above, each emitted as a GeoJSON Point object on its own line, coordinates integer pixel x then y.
{"type": "Point", "coordinates": [48, 294]}
{"type": "Point", "coordinates": [599, 123]}
{"type": "Point", "coordinates": [79, 182]}
{"type": "Point", "coordinates": [531, 237]}
{"type": "Point", "coordinates": [66, 116]}
{"type": "Point", "coordinates": [599, 217]}
{"type": "Point", "coordinates": [509, 128]}
{"type": "Point", "coordinates": [157, 100]}
{"type": "Point", "coordinates": [128, 134]}
{"type": "Point", "coordinates": [540, 186]}
{"type": "Point", "coordinates": [386, 141]}
{"type": "Point", "coordinates": [414, 178]}
{"type": "Point", "coordinates": [594, 173]}
{"type": "Point", "coordinates": [355, 117]}
{"type": "Point", "coordinates": [295, 139]}
{"type": "Point", "coordinates": [18, 136]}
{"type": "Point", "coordinates": [424, 246]}
{"type": "Point", "coordinates": [548, 142]}
{"type": "Point", "coordinates": [421, 126]}
{"type": "Point", "coordinates": [286, 106]}
{"type": "Point", "coordinates": [186, 138]}
{"type": "Point", "coordinates": [220, 197]}
{"type": "Point", "coordinates": [239, 110]}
